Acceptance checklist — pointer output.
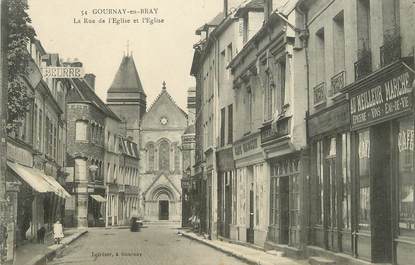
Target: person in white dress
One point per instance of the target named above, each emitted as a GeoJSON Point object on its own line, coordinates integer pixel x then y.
{"type": "Point", "coordinates": [57, 232]}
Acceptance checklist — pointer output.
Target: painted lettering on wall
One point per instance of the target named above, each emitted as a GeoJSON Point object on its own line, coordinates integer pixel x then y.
{"type": "Point", "coordinates": [406, 140]}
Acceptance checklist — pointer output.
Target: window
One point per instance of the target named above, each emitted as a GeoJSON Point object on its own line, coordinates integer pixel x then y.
{"type": "Point", "coordinates": [281, 85]}
{"type": "Point", "coordinates": [249, 109]}
{"type": "Point", "coordinates": [176, 157]}
{"type": "Point", "coordinates": [363, 25]}
{"type": "Point", "coordinates": [406, 178]}
{"type": "Point", "coordinates": [346, 198]}
{"type": "Point", "coordinates": [164, 156]}
{"type": "Point", "coordinates": [229, 57]}
{"type": "Point", "coordinates": [230, 124]}
{"type": "Point", "coordinates": [40, 131]}
{"type": "Point", "coordinates": [150, 155]}
{"type": "Point", "coordinates": [364, 179]}
{"type": "Point", "coordinates": [338, 40]}
{"type": "Point", "coordinates": [222, 126]}
{"type": "Point", "coordinates": [320, 184]}
{"type": "Point", "coordinates": [320, 57]}
{"type": "Point", "coordinates": [81, 130]}
{"type": "Point", "coordinates": [274, 215]}
{"type": "Point", "coordinates": [35, 127]}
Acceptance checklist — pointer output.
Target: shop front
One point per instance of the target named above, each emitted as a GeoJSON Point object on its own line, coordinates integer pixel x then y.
{"type": "Point", "coordinates": [286, 161]}
{"type": "Point", "coordinates": [382, 164]}
{"type": "Point", "coordinates": [330, 178]}
{"type": "Point", "coordinates": [250, 192]}
{"type": "Point", "coordinates": [226, 169]}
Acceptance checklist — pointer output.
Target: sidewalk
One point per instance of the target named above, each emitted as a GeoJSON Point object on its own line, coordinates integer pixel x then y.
{"type": "Point", "coordinates": [37, 254]}
{"type": "Point", "coordinates": [246, 254]}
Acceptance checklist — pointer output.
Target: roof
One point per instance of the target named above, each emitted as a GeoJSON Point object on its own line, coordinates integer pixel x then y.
{"type": "Point", "coordinates": [251, 5]}
{"type": "Point", "coordinates": [162, 93]}
{"type": "Point", "coordinates": [82, 92]}
{"type": "Point", "coordinates": [214, 22]}
{"type": "Point", "coordinates": [126, 79]}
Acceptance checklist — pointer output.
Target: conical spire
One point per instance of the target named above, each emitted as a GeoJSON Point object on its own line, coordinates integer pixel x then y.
{"type": "Point", "coordinates": [126, 79]}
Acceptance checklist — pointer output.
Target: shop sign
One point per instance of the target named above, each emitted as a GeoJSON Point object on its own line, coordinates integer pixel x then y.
{"type": "Point", "coordinates": [62, 72]}
{"type": "Point", "coordinates": [406, 140]}
{"type": "Point", "coordinates": [329, 120]}
{"type": "Point", "coordinates": [247, 146]}
{"type": "Point", "coordinates": [384, 100]}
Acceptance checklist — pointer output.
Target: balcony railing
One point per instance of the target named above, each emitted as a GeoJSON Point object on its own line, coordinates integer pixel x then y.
{"type": "Point", "coordinates": [319, 92]}
{"type": "Point", "coordinates": [338, 82]}
{"type": "Point", "coordinates": [271, 131]}
{"type": "Point", "coordinates": [363, 66]}
{"type": "Point", "coordinates": [390, 51]}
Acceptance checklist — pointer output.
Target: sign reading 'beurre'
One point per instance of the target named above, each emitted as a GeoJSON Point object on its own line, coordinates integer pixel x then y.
{"type": "Point", "coordinates": [384, 100]}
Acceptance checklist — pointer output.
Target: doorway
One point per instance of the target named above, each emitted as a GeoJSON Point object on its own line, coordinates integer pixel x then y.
{"type": "Point", "coordinates": [163, 210]}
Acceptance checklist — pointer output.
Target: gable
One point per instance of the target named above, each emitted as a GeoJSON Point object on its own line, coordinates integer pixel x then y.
{"type": "Point", "coordinates": [164, 107]}
{"type": "Point", "coordinates": [159, 183]}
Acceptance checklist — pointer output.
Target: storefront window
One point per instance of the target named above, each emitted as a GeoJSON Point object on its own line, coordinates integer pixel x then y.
{"type": "Point", "coordinates": [406, 178]}
{"type": "Point", "coordinates": [294, 201]}
{"type": "Point", "coordinates": [274, 201]}
{"type": "Point", "coordinates": [364, 179]}
{"type": "Point", "coordinates": [346, 202]}
{"type": "Point", "coordinates": [331, 164]}
{"type": "Point", "coordinates": [320, 184]}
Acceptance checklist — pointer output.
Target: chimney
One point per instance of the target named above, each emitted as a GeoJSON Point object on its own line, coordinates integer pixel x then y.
{"type": "Point", "coordinates": [225, 8]}
{"type": "Point", "coordinates": [267, 9]}
{"type": "Point", "coordinates": [191, 105]}
{"type": "Point", "coordinates": [90, 79]}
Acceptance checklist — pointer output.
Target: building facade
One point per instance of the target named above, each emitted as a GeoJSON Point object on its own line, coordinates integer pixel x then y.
{"type": "Point", "coordinates": [161, 130]}
{"type": "Point", "coordinates": [35, 157]}
{"type": "Point", "coordinates": [360, 127]}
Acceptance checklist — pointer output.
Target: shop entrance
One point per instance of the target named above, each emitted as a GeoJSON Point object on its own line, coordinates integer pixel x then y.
{"type": "Point", "coordinates": [163, 210]}
{"type": "Point", "coordinates": [373, 235]}
{"type": "Point", "coordinates": [250, 230]}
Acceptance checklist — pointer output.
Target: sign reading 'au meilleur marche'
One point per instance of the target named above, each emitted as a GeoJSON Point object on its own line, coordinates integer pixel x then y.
{"type": "Point", "coordinates": [63, 72]}
{"type": "Point", "coordinates": [388, 98]}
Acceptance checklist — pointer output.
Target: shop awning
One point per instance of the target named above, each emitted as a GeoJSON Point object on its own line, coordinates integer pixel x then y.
{"type": "Point", "coordinates": [38, 180]}
{"type": "Point", "coordinates": [98, 198]}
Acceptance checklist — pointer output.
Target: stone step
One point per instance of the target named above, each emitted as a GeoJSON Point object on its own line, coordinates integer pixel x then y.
{"type": "Point", "coordinates": [276, 253]}
{"type": "Point", "coordinates": [320, 261]}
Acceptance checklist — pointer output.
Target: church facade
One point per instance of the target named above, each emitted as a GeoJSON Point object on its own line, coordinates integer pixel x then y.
{"type": "Point", "coordinates": [158, 132]}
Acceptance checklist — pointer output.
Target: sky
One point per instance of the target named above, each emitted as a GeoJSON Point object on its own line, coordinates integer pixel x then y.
{"type": "Point", "coordinates": [162, 52]}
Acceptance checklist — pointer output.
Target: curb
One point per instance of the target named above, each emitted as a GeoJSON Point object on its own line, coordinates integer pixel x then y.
{"type": "Point", "coordinates": [42, 259]}
{"type": "Point", "coordinates": [229, 252]}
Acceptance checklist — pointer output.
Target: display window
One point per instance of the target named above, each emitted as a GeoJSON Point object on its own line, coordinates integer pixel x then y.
{"type": "Point", "coordinates": [406, 178]}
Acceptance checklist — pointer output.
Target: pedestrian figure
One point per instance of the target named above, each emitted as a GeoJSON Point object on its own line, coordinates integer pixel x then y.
{"type": "Point", "coordinates": [41, 235]}
{"type": "Point", "coordinates": [57, 232]}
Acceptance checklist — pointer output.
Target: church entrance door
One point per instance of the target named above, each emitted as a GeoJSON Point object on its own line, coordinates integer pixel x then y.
{"type": "Point", "coordinates": [163, 210]}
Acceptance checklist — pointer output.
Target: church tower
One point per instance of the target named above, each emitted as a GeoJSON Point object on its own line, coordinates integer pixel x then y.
{"type": "Point", "coordinates": [126, 96]}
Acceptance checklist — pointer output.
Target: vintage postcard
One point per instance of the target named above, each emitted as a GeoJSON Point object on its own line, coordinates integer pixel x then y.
{"type": "Point", "coordinates": [207, 132]}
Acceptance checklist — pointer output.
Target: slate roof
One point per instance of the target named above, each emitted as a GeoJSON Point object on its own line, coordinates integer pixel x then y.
{"type": "Point", "coordinates": [251, 5]}
{"type": "Point", "coordinates": [82, 92]}
{"type": "Point", "coordinates": [126, 79]}
{"type": "Point", "coordinates": [214, 22]}
{"type": "Point", "coordinates": [164, 92]}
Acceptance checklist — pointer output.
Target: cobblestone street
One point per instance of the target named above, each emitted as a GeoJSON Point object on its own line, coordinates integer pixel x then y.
{"type": "Point", "coordinates": [156, 244]}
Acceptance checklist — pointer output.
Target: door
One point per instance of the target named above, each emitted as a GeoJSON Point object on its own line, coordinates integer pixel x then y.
{"type": "Point", "coordinates": [331, 229]}
{"type": "Point", "coordinates": [250, 230]}
{"type": "Point", "coordinates": [163, 210]}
